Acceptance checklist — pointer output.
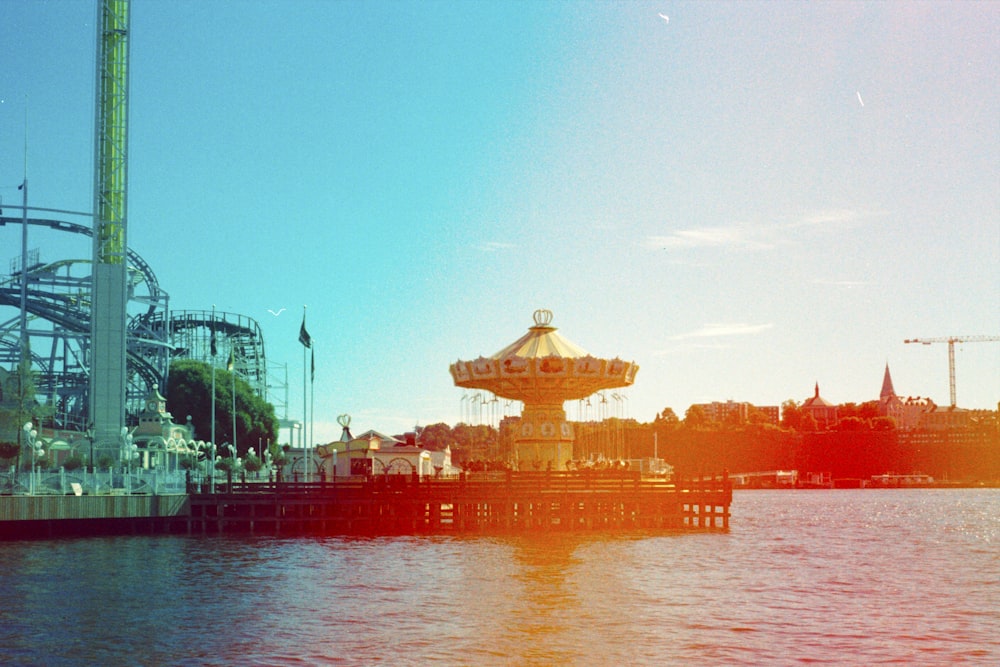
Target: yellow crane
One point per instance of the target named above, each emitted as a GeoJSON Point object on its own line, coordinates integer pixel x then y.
{"type": "Point", "coordinates": [951, 340]}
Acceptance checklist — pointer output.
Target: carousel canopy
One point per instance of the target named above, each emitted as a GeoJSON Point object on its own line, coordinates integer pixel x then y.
{"type": "Point", "coordinates": [541, 341]}
{"type": "Point", "coordinates": [542, 367]}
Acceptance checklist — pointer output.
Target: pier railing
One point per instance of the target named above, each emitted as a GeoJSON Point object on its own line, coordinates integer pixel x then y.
{"type": "Point", "coordinates": [93, 483]}
{"type": "Point", "coordinates": [478, 502]}
{"type": "Point", "coordinates": [559, 481]}
{"type": "Point", "coordinates": [493, 502]}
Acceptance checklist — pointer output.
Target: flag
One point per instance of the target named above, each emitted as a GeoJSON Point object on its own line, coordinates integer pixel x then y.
{"type": "Point", "coordinates": [231, 362]}
{"type": "Point", "coordinates": [215, 349]}
{"type": "Point", "coordinates": [312, 377]}
{"type": "Point", "coordinates": [304, 336]}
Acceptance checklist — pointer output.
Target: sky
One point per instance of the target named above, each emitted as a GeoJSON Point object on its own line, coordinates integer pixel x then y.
{"type": "Point", "coordinates": [745, 199]}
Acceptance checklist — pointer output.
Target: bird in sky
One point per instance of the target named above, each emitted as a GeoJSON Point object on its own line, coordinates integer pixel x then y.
{"type": "Point", "coordinates": [665, 18]}
{"type": "Point", "coordinates": [279, 312]}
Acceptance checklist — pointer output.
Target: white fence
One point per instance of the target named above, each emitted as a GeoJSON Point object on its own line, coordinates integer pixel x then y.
{"type": "Point", "coordinates": [101, 482]}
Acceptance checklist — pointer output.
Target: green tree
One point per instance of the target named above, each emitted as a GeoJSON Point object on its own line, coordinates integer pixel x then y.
{"type": "Point", "coordinates": [667, 417]}
{"type": "Point", "coordinates": [865, 411]}
{"type": "Point", "coordinates": [8, 450]}
{"type": "Point", "coordinates": [883, 424]}
{"type": "Point", "coordinates": [474, 441]}
{"type": "Point", "coordinates": [756, 416]}
{"type": "Point", "coordinates": [792, 415]}
{"type": "Point", "coordinates": [695, 417]}
{"type": "Point", "coordinates": [18, 404]}
{"type": "Point", "coordinates": [74, 462]}
{"type": "Point", "coordinates": [851, 424]}
{"type": "Point", "coordinates": [189, 392]}
{"type": "Point", "coordinates": [279, 454]}
{"type": "Point", "coordinates": [252, 463]}
{"type": "Point", "coordinates": [436, 437]}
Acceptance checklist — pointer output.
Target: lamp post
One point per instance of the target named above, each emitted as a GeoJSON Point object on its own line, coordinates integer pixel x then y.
{"type": "Point", "coordinates": [233, 464]}
{"type": "Point", "coordinates": [170, 446]}
{"type": "Point", "coordinates": [129, 451]}
{"type": "Point", "coordinates": [36, 451]}
{"type": "Point", "coordinates": [210, 461]}
{"type": "Point", "coordinates": [251, 455]}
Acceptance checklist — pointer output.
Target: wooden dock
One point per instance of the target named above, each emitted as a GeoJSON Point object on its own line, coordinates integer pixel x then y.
{"type": "Point", "coordinates": [484, 503]}
{"type": "Point", "coordinates": [27, 516]}
{"type": "Point", "coordinates": [477, 503]}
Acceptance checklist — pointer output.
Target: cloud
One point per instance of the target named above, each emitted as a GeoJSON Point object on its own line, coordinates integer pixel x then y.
{"type": "Point", "coordinates": [754, 237]}
{"type": "Point", "coordinates": [685, 348]}
{"type": "Point", "coordinates": [495, 246]}
{"type": "Point", "coordinates": [841, 283]}
{"type": "Point", "coordinates": [708, 237]}
{"type": "Point", "coordinates": [825, 218]}
{"type": "Point", "coordinates": [715, 330]}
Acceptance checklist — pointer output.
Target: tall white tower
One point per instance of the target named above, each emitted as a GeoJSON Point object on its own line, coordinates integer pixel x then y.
{"type": "Point", "coordinates": [110, 293]}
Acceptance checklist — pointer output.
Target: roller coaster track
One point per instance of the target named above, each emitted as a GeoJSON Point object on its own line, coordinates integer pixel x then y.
{"type": "Point", "coordinates": [62, 300]}
{"type": "Point", "coordinates": [56, 297]}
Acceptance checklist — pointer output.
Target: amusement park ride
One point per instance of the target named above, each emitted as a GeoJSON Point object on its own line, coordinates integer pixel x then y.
{"type": "Point", "coordinates": [543, 370]}
{"type": "Point", "coordinates": [98, 334]}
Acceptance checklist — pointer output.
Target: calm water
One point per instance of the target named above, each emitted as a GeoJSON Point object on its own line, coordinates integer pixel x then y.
{"type": "Point", "coordinates": [833, 577]}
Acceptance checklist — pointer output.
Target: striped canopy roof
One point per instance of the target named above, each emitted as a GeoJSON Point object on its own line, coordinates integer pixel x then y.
{"type": "Point", "coordinates": [542, 367]}
{"type": "Point", "coordinates": [541, 341]}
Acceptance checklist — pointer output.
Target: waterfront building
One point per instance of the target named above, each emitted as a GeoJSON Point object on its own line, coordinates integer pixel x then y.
{"type": "Point", "coordinates": [375, 453]}
{"type": "Point", "coordinates": [732, 412]}
{"type": "Point", "coordinates": [157, 438]}
{"type": "Point", "coordinates": [821, 410]}
{"type": "Point", "coordinates": [917, 412]}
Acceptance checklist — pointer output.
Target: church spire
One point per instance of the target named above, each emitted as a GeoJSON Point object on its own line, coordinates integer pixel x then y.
{"type": "Point", "coordinates": [887, 390]}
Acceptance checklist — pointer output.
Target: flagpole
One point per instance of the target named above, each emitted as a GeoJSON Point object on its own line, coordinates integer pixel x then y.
{"type": "Point", "coordinates": [232, 375]}
{"type": "Point", "coordinates": [312, 394]}
{"type": "Point", "coordinates": [303, 338]}
{"type": "Point", "coordinates": [212, 350]}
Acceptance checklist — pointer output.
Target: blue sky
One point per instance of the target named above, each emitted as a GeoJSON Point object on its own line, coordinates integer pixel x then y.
{"type": "Point", "coordinates": [744, 198]}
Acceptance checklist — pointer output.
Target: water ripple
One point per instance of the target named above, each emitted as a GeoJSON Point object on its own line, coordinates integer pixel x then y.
{"type": "Point", "coordinates": [838, 577]}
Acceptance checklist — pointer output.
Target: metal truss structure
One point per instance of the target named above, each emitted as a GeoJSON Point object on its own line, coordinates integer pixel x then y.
{"type": "Point", "coordinates": [58, 305]}
{"type": "Point", "coordinates": [238, 338]}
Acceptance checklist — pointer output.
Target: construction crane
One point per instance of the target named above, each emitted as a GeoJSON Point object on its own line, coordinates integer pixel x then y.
{"type": "Point", "coordinates": [951, 340]}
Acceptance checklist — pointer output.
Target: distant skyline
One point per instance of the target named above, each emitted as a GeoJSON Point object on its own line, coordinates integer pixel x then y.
{"type": "Point", "coordinates": [745, 198]}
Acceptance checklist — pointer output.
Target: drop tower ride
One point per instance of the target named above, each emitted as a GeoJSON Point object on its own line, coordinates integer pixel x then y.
{"type": "Point", "coordinates": [110, 262]}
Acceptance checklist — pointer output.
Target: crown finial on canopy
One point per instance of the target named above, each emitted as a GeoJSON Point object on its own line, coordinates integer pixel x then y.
{"type": "Point", "coordinates": [543, 317]}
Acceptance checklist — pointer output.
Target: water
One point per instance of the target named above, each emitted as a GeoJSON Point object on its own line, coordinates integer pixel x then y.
{"type": "Point", "coordinates": [906, 577]}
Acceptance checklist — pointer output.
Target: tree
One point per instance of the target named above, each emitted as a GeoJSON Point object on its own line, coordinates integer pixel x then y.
{"type": "Point", "coordinates": [279, 454]}
{"type": "Point", "coordinates": [668, 417]}
{"type": "Point", "coordinates": [866, 411]}
{"type": "Point", "coordinates": [695, 417]}
{"type": "Point", "coordinates": [792, 415]}
{"type": "Point", "coordinates": [73, 462]}
{"type": "Point", "coordinates": [17, 401]}
{"type": "Point", "coordinates": [757, 416]}
{"type": "Point", "coordinates": [474, 441]}
{"type": "Point", "coordinates": [252, 463]}
{"type": "Point", "coordinates": [8, 450]}
{"type": "Point", "coordinates": [436, 437]}
{"type": "Point", "coordinates": [851, 424]}
{"type": "Point", "coordinates": [189, 392]}
{"type": "Point", "coordinates": [883, 424]}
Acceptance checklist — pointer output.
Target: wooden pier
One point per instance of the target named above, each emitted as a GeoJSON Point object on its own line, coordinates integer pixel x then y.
{"type": "Point", "coordinates": [483, 503]}
{"type": "Point", "coordinates": [477, 503]}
